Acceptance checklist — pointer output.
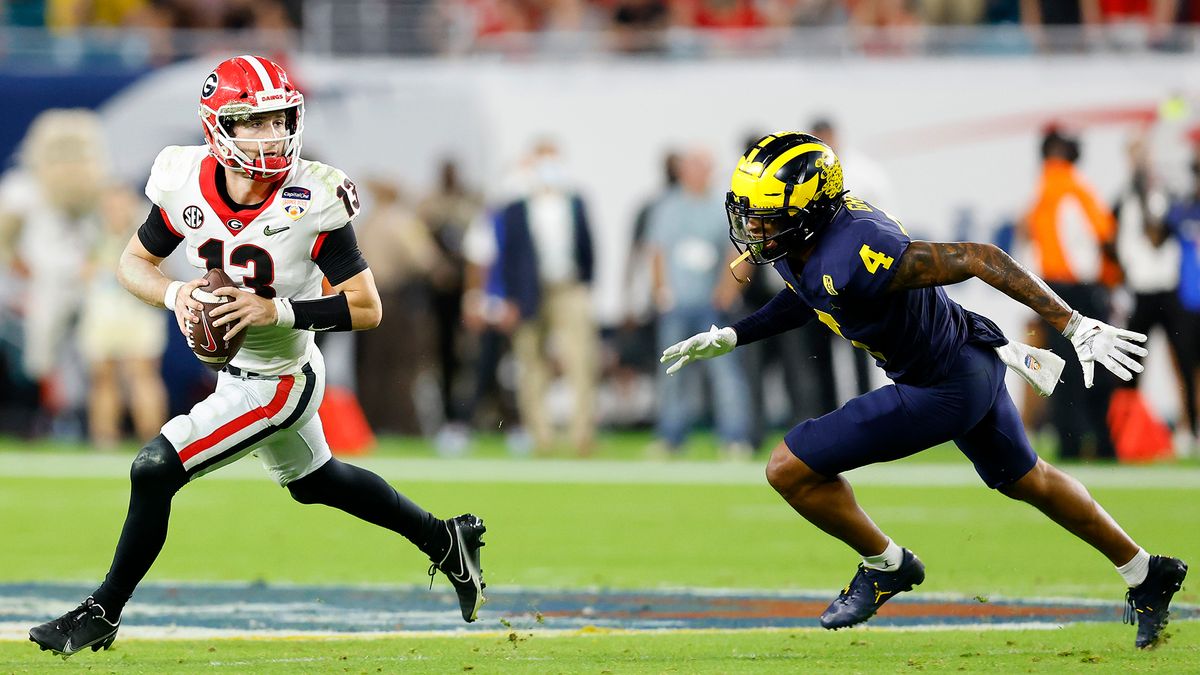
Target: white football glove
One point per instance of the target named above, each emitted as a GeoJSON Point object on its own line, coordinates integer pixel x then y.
{"type": "Point", "coordinates": [715, 342]}
{"type": "Point", "coordinates": [1097, 342]}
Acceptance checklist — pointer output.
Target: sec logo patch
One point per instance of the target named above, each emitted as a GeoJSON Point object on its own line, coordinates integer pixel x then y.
{"type": "Point", "coordinates": [193, 217]}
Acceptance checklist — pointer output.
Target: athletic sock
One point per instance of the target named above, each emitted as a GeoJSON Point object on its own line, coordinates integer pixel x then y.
{"type": "Point", "coordinates": [1134, 572]}
{"type": "Point", "coordinates": [365, 495]}
{"type": "Point", "coordinates": [888, 561]}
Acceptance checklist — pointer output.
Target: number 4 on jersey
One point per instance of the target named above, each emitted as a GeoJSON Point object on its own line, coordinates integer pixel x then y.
{"type": "Point", "coordinates": [873, 260]}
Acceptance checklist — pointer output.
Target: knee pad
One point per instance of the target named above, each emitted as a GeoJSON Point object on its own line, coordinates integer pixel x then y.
{"type": "Point", "coordinates": [157, 466]}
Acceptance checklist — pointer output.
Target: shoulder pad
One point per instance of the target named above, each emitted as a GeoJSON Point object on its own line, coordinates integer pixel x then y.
{"type": "Point", "coordinates": [334, 195]}
{"type": "Point", "coordinates": [172, 168]}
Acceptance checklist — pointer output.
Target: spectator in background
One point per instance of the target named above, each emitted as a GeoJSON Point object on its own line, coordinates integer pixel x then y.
{"type": "Point", "coordinates": [636, 337]}
{"type": "Point", "coordinates": [403, 255]}
{"type": "Point", "coordinates": [488, 317]}
{"type": "Point", "coordinates": [951, 12]}
{"type": "Point", "coordinates": [1060, 16]}
{"type": "Point", "coordinates": [1183, 221]}
{"type": "Point", "coordinates": [639, 26]}
{"type": "Point", "coordinates": [545, 273]}
{"type": "Point", "coordinates": [1150, 259]}
{"type": "Point", "coordinates": [120, 337]}
{"type": "Point", "coordinates": [49, 215]}
{"type": "Point", "coordinates": [448, 212]}
{"type": "Point", "coordinates": [1072, 234]}
{"type": "Point", "coordinates": [693, 289]}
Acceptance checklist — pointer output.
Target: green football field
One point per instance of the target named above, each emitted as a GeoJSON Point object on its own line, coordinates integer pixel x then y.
{"type": "Point", "coordinates": [612, 522]}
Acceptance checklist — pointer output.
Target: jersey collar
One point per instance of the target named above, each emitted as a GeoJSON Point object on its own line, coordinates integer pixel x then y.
{"type": "Point", "coordinates": [234, 220]}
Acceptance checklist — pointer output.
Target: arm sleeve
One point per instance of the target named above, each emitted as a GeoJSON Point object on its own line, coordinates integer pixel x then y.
{"type": "Point", "coordinates": [782, 313]}
{"type": "Point", "coordinates": [157, 235]}
{"type": "Point", "coordinates": [336, 253]}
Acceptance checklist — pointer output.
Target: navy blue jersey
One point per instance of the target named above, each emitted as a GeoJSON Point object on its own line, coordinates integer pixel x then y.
{"type": "Point", "coordinates": [913, 335]}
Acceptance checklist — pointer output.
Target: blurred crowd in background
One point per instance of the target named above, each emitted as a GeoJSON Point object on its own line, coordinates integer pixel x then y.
{"type": "Point", "coordinates": [671, 27]}
{"type": "Point", "coordinates": [488, 306]}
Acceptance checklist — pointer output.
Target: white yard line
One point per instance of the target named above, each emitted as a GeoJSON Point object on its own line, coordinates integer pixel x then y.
{"type": "Point", "coordinates": [602, 472]}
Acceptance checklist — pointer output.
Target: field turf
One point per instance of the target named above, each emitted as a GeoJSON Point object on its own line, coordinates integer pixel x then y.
{"type": "Point", "coordinates": [609, 522]}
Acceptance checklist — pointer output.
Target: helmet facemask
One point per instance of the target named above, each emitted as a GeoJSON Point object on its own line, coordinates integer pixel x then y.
{"type": "Point", "coordinates": [769, 234]}
{"type": "Point", "coordinates": [220, 124]}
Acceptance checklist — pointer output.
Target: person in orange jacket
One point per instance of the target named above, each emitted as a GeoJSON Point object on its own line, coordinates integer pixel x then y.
{"type": "Point", "coordinates": [1072, 232]}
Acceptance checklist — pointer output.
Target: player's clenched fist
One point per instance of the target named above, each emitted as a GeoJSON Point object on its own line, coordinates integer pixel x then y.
{"type": "Point", "coordinates": [715, 342]}
{"type": "Point", "coordinates": [187, 309]}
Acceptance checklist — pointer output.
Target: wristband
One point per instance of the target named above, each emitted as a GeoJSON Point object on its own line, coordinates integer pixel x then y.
{"type": "Point", "coordinates": [285, 316]}
{"type": "Point", "coordinates": [1072, 324]}
{"type": "Point", "coordinates": [330, 313]}
{"type": "Point", "coordinates": [171, 293]}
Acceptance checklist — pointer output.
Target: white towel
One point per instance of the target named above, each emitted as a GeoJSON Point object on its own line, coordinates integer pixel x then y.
{"type": "Point", "coordinates": [1041, 368]}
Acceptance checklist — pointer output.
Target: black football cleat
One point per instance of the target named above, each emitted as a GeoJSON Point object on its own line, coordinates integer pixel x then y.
{"type": "Point", "coordinates": [461, 563]}
{"type": "Point", "coordinates": [1149, 600]}
{"type": "Point", "coordinates": [83, 627]}
{"type": "Point", "coordinates": [869, 589]}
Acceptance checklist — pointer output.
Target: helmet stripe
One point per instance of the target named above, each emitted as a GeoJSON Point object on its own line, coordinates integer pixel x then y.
{"type": "Point", "coordinates": [778, 145]}
{"type": "Point", "coordinates": [264, 80]}
{"type": "Point", "coordinates": [272, 71]}
{"type": "Point", "coordinates": [792, 154]}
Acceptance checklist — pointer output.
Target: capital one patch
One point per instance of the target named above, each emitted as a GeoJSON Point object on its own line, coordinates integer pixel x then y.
{"type": "Point", "coordinates": [294, 201]}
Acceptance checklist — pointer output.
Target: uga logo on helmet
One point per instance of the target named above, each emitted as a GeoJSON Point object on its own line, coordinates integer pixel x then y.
{"type": "Point", "coordinates": [210, 85]}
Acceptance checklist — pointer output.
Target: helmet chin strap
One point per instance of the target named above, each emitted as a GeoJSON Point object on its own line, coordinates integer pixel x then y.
{"type": "Point", "coordinates": [737, 263]}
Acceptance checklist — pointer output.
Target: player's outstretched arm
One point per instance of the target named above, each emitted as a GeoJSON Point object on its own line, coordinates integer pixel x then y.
{"type": "Point", "coordinates": [927, 264]}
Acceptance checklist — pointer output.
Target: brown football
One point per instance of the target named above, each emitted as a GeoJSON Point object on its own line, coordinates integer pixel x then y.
{"type": "Point", "coordinates": [208, 341]}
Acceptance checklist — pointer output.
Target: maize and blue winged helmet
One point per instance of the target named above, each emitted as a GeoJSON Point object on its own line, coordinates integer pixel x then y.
{"type": "Point", "coordinates": [785, 189]}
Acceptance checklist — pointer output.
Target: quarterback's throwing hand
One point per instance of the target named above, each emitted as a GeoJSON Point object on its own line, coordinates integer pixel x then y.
{"type": "Point", "coordinates": [1097, 342]}
{"type": "Point", "coordinates": [715, 342]}
{"type": "Point", "coordinates": [246, 309]}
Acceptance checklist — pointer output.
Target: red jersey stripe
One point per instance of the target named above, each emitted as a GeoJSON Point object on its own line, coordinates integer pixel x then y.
{"type": "Point", "coordinates": [168, 222]}
{"type": "Point", "coordinates": [242, 421]}
{"type": "Point", "coordinates": [316, 250]}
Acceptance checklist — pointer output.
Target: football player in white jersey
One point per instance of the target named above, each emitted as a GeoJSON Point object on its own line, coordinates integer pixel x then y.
{"type": "Point", "coordinates": [277, 224]}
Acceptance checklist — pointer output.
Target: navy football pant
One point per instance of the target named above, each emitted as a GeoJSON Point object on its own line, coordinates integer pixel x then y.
{"type": "Point", "coordinates": [970, 406]}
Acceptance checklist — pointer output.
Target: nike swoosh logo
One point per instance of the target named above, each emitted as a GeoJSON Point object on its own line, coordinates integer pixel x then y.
{"type": "Point", "coordinates": [211, 345]}
{"type": "Point", "coordinates": [268, 231]}
{"type": "Point", "coordinates": [323, 329]}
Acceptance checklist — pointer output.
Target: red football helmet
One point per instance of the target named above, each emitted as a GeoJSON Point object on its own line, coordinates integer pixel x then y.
{"type": "Point", "coordinates": [237, 89]}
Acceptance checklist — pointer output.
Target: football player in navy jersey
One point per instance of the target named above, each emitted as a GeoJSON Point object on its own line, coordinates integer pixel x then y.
{"type": "Point", "coordinates": [853, 267]}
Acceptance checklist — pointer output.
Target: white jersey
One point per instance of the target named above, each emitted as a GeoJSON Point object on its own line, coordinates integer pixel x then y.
{"type": "Point", "coordinates": [270, 250]}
